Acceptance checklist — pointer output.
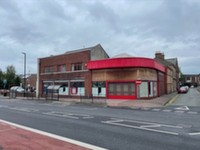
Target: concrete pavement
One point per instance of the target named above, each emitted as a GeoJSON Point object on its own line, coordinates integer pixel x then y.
{"type": "Point", "coordinates": [121, 103]}
{"type": "Point", "coordinates": [143, 103]}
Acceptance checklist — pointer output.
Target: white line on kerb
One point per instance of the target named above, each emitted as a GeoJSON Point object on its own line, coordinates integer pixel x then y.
{"type": "Point", "coordinates": [86, 145]}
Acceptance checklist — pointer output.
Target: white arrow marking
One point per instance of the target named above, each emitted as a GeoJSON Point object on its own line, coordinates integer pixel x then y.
{"type": "Point", "coordinates": [182, 108]}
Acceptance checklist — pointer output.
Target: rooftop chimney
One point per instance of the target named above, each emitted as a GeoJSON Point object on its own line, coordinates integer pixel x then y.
{"type": "Point", "coordinates": [159, 55]}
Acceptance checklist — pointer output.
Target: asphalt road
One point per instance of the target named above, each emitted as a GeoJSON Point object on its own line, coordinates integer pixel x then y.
{"type": "Point", "coordinates": [192, 98]}
{"type": "Point", "coordinates": [167, 128]}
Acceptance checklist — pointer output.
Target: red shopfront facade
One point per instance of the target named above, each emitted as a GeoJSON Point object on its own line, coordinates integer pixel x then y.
{"type": "Point", "coordinates": [127, 78]}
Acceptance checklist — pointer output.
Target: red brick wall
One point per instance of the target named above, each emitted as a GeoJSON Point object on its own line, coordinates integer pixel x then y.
{"type": "Point", "coordinates": [31, 80]}
{"type": "Point", "coordinates": [68, 60]}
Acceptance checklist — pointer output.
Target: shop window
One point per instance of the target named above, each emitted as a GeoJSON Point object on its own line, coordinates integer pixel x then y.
{"type": "Point", "coordinates": [77, 88]}
{"type": "Point", "coordinates": [64, 89]}
{"type": "Point", "coordinates": [143, 90]}
{"type": "Point", "coordinates": [122, 89]}
{"type": "Point", "coordinates": [147, 89]}
{"type": "Point", "coordinates": [77, 84]}
{"type": "Point", "coordinates": [99, 88]}
{"type": "Point", "coordinates": [155, 89]}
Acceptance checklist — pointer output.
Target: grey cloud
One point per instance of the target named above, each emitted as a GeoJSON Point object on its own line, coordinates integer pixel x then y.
{"type": "Point", "coordinates": [136, 27]}
{"type": "Point", "coordinates": [8, 5]}
{"type": "Point", "coordinates": [102, 13]}
{"type": "Point", "coordinates": [54, 10]}
{"type": "Point", "coordinates": [174, 18]}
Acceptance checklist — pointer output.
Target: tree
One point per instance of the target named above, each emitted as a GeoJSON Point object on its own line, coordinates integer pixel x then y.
{"type": "Point", "coordinates": [1, 79]}
{"type": "Point", "coordinates": [10, 77]}
{"type": "Point", "coordinates": [17, 81]}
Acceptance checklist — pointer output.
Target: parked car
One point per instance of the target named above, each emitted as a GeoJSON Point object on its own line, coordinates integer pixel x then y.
{"type": "Point", "coordinates": [183, 89]}
{"type": "Point", "coordinates": [4, 92]}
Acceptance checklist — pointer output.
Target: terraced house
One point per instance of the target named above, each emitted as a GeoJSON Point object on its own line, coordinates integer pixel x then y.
{"type": "Point", "coordinates": [89, 72]}
{"type": "Point", "coordinates": [172, 72]}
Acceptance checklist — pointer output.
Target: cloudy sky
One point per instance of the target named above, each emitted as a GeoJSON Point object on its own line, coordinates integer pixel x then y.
{"type": "Point", "coordinates": [138, 27]}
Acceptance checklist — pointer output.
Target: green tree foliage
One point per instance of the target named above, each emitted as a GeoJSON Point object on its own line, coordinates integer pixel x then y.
{"type": "Point", "coordinates": [1, 78]}
{"type": "Point", "coordinates": [10, 77]}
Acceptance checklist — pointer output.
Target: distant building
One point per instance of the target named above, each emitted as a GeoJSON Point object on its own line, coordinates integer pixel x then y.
{"type": "Point", "coordinates": [191, 79]}
{"type": "Point", "coordinates": [30, 80]}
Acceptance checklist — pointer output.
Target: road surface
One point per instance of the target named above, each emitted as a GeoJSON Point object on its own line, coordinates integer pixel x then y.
{"type": "Point", "coordinates": [166, 128]}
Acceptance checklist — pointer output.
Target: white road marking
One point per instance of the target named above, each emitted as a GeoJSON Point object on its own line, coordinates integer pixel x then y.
{"type": "Point", "coordinates": [195, 133]}
{"type": "Point", "coordinates": [86, 145]}
{"type": "Point", "coordinates": [142, 122]}
{"type": "Point", "coordinates": [151, 126]}
{"type": "Point", "coordinates": [24, 109]}
{"type": "Point", "coordinates": [192, 112]}
{"type": "Point", "coordinates": [144, 125]}
{"type": "Point", "coordinates": [179, 111]}
{"type": "Point", "coordinates": [89, 117]}
{"type": "Point", "coordinates": [68, 115]}
{"type": "Point", "coordinates": [60, 115]}
{"type": "Point", "coordinates": [182, 108]}
{"type": "Point", "coordinates": [155, 109]}
{"type": "Point", "coordinates": [114, 120]}
{"type": "Point", "coordinates": [167, 110]}
{"type": "Point", "coordinates": [141, 128]}
{"type": "Point", "coordinates": [3, 106]}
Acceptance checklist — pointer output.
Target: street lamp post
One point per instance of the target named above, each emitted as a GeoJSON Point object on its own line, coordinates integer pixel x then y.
{"type": "Point", "coordinates": [24, 72]}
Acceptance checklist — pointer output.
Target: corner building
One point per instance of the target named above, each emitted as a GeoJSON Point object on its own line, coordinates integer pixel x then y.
{"type": "Point", "coordinates": [127, 78]}
{"type": "Point", "coordinates": [89, 72]}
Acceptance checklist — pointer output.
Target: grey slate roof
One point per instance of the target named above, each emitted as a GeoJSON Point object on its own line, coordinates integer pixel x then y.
{"type": "Point", "coordinates": [169, 62]}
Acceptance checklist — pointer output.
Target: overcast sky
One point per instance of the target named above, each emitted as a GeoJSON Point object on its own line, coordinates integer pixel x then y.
{"type": "Point", "coordinates": [138, 27]}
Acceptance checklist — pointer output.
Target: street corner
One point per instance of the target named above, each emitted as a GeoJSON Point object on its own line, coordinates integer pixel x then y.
{"type": "Point", "coordinates": [17, 137]}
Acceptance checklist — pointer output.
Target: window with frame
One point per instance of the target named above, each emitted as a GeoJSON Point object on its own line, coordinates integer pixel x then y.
{"type": "Point", "coordinates": [61, 68]}
{"type": "Point", "coordinates": [77, 66]}
{"type": "Point", "coordinates": [126, 88]}
{"type": "Point", "coordinates": [48, 69]}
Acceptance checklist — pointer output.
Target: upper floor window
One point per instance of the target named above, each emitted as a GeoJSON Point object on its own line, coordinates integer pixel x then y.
{"type": "Point", "coordinates": [61, 68]}
{"type": "Point", "coordinates": [77, 66]}
{"type": "Point", "coordinates": [48, 69]}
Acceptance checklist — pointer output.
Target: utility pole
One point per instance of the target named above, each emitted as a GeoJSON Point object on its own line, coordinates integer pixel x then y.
{"type": "Point", "coordinates": [24, 72]}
